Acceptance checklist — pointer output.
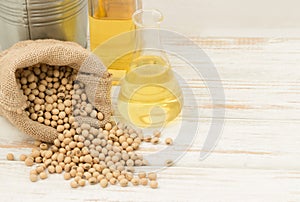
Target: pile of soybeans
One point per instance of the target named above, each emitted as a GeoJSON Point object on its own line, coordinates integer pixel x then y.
{"type": "Point", "coordinates": [82, 153]}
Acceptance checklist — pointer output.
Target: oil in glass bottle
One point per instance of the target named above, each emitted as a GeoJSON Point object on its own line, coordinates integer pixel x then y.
{"type": "Point", "coordinates": [107, 19]}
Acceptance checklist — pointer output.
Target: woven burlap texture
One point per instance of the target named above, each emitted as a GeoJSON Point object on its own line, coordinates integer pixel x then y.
{"type": "Point", "coordinates": [24, 54]}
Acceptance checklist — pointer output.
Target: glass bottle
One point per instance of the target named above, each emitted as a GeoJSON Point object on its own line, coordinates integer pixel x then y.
{"type": "Point", "coordinates": [150, 95]}
{"type": "Point", "coordinates": [107, 19]}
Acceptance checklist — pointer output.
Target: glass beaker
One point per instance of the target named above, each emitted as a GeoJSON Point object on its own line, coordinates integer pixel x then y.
{"type": "Point", "coordinates": [107, 19]}
{"type": "Point", "coordinates": [150, 95]}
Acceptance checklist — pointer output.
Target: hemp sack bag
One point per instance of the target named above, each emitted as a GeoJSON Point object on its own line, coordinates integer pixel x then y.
{"type": "Point", "coordinates": [91, 72]}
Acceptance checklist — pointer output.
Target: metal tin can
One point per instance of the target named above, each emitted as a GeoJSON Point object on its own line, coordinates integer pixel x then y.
{"type": "Point", "coordinates": [43, 19]}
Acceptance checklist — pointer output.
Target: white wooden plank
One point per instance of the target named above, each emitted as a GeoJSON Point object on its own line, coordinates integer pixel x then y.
{"type": "Point", "coordinates": [175, 184]}
{"type": "Point", "coordinates": [256, 158]}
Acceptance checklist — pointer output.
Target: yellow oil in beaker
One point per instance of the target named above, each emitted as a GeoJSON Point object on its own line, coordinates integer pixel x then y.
{"type": "Point", "coordinates": [150, 95]}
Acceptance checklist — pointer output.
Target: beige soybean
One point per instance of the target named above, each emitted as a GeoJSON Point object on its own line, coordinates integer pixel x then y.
{"type": "Point", "coordinates": [33, 177]}
{"type": "Point", "coordinates": [67, 176]}
{"type": "Point", "coordinates": [123, 182]}
{"type": "Point", "coordinates": [10, 157]}
{"type": "Point", "coordinates": [104, 183]}
{"type": "Point", "coordinates": [23, 157]}
{"type": "Point", "coordinates": [135, 181]}
{"type": "Point", "coordinates": [92, 180]}
{"type": "Point", "coordinates": [43, 175]}
{"type": "Point", "coordinates": [43, 146]}
{"type": "Point", "coordinates": [113, 181]}
{"type": "Point", "coordinates": [144, 181]}
{"type": "Point", "coordinates": [155, 140]}
{"type": "Point", "coordinates": [169, 163]}
{"type": "Point", "coordinates": [29, 161]}
{"type": "Point", "coordinates": [81, 182]}
{"type": "Point", "coordinates": [153, 184]}
{"type": "Point", "coordinates": [58, 169]}
{"type": "Point", "coordinates": [169, 141]}
{"type": "Point", "coordinates": [40, 169]}
{"type": "Point", "coordinates": [74, 184]}
{"type": "Point", "coordinates": [147, 138]}
{"type": "Point", "coordinates": [152, 176]}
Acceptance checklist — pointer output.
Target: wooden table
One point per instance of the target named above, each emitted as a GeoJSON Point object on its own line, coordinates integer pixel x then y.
{"type": "Point", "coordinates": [256, 158]}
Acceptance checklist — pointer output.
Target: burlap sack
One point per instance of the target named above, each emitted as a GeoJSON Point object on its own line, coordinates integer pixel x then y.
{"type": "Point", "coordinates": [91, 72]}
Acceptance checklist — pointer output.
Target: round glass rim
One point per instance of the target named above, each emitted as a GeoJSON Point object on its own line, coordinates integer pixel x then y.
{"type": "Point", "coordinates": [156, 14]}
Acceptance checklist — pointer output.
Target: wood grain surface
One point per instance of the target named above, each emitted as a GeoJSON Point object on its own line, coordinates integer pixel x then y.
{"type": "Point", "coordinates": [256, 158]}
